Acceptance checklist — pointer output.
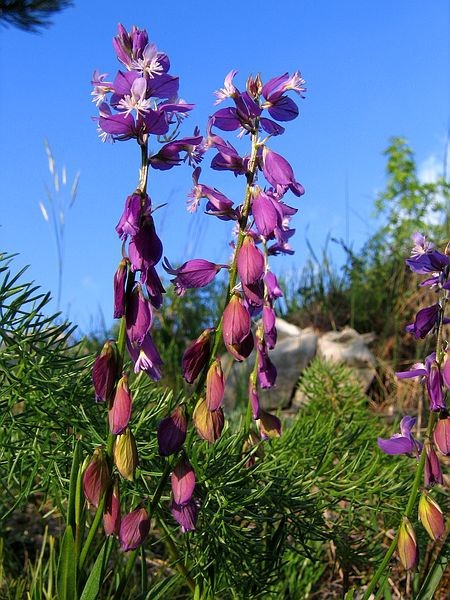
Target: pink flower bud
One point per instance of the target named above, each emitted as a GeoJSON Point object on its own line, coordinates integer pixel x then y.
{"type": "Point", "coordinates": [186, 515]}
{"type": "Point", "coordinates": [196, 356]}
{"type": "Point", "coordinates": [209, 424]}
{"type": "Point", "coordinates": [96, 478]}
{"type": "Point", "coordinates": [215, 386]}
{"type": "Point", "coordinates": [441, 434]}
{"type": "Point", "coordinates": [250, 262]}
{"type": "Point", "coordinates": [433, 471]}
{"type": "Point", "coordinates": [104, 372]}
{"type": "Point", "coordinates": [183, 482]}
{"type": "Point", "coordinates": [269, 425]}
{"type": "Point", "coordinates": [134, 529]}
{"type": "Point", "coordinates": [120, 277]}
{"type": "Point", "coordinates": [430, 515]}
{"type": "Point", "coordinates": [407, 549]}
{"type": "Point", "coordinates": [172, 432]}
{"type": "Point", "coordinates": [236, 328]}
{"type": "Point", "coordinates": [111, 516]}
{"type": "Point", "coordinates": [126, 455]}
{"type": "Point", "coordinates": [120, 410]}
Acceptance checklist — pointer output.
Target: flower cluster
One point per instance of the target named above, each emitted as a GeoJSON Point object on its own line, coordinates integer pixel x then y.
{"type": "Point", "coordinates": [141, 101]}
{"type": "Point", "coordinates": [263, 230]}
{"type": "Point", "coordinates": [434, 372]}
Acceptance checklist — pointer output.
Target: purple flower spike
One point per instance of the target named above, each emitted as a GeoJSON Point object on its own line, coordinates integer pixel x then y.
{"type": "Point", "coordinates": [134, 529]}
{"type": "Point", "coordinates": [196, 356]}
{"type": "Point", "coordinates": [120, 411]}
{"type": "Point", "coordinates": [138, 317]}
{"type": "Point", "coordinates": [194, 273]}
{"type": "Point", "coordinates": [433, 471]}
{"type": "Point", "coordinates": [425, 321]}
{"type": "Point", "coordinates": [441, 434]}
{"type": "Point", "coordinates": [172, 432]}
{"type": "Point", "coordinates": [278, 172]}
{"type": "Point", "coordinates": [183, 482]}
{"type": "Point", "coordinates": [250, 262]}
{"type": "Point", "coordinates": [186, 515]}
{"type": "Point", "coordinates": [215, 386]}
{"type": "Point", "coordinates": [401, 443]}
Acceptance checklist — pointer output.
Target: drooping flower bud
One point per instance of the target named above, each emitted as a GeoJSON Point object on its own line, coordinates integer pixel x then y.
{"type": "Point", "coordinates": [269, 425]}
{"type": "Point", "coordinates": [269, 325]}
{"type": "Point", "coordinates": [196, 356]}
{"type": "Point", "coordinates": [264, 213]}
{"type": "Point", "coordinates": [194, 273]}
{"type": "Point", "coordinates": [267, 372]}
{"type": "Point", "coordinates": [250, 262]}
{"type": "Point", "coordinates": [96, 477]}
{"type": "Point", "coordinates": [134, 529]}
{"type": "Point", "coordinates": [120, 409]}
{"type": "Point", "coordinates": [209, 424]}
{"type": "Point", "coordinates": [111, 516]}
{"type": "Point", "coordinates": [135, 207]}
{"type": "Point", "coordinates": [104, 372]}
{"type": "Point", "coordinates": [273, 289]}
{"type": "Point", "coordinates": [407, 548]}
{"type": "Point", "coordinates": [138, 317]}
{"type": "Point", "coordinates": [183, 482]}
{"type": "Point", "coordinates": [126, 455]}
{"type": "Point", "coordinates": [278, 172]}
{"type": "Point", "coordinates": [145, 248]}
{"type": "Point", "coordinates": [236, 326]}
{"type": "Point", "coordinates": [215, 386]}
{"type": "Point", "coordinates": [186, 515]}
{"type": "Point", "coordinates": [172, 432]}
{"type": "Point", "coordinates": [430, 515]}
{"type": "Point", "coordinates": [120, 277]}
{"type": "Point", "coordinates": [441, 434]}
{"type": "Point", "coordinates": [434, 387]}
{"type": "Point", "coordinates": [254, 399]}
{"type": "Point", "coordinates": [433, 471]}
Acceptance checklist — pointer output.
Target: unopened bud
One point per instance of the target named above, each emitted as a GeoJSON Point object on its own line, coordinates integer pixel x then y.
{"type": "Point", "coordinates": [120, 277]}
{"type": "Point", "coordinates": [104, 372]}
{"type": "Point", "coordinates": [407, 548]}
{"type": "Point", "coordinates": [120, 410]}
{"type": "Point", "coordinates": [172, 432]}
{"type": "Point", "coordinates": [125, 454]}
{"type": "Point", "coordinates": [96, 477]}
{"type": "Point", "coordinates": [111, 516]}
{"type": "Point", "coordinates": [430, 515]}
{"type": "Point", "coordinates": [269, 425]}
{"type": "Point", "coordinates": [196, 356]}
{"type": "Point", "coordinates": [215, 386]}
{"type": "Point", "coordinates": [209, 424]}
{"type": "Point", "coordinates": [441, 434]}
{"type": "Point", "coordinates": [134, 529]}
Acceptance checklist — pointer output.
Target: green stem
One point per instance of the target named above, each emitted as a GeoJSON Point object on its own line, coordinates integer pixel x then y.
{"type": "Point", "coordinates": [92, 531]}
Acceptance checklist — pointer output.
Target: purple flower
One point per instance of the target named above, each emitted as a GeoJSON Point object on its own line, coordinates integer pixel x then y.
{"type": "Point", "coordinates": [186, 515]}
{"type": "Point", "coordinates": [218, 204]}
{"type": "Point", "coordinates": [428, 262]}
{"type": "Point", "coordinates": [138, 317]}
{"type": "Point", "coordinates": [424, 322]}
{"type": "Point", "coordinates": [441, 434]}
{"type": "Point", "coordinates": [196, 356]}
{"type": "Point", "coordinates": [254, 400]}
{"type": "Point", "coordinates": [146, 358]}
{"type": "Point", "coordinates": [172, 432]}
{"type": "Point", "coordinates": [431, 375]}
{"type": "Point", "coordinates": [169, 155]}
{"type": "Point", "coordinates": [250, 262]}
{"type": "Point", "coordinates": [153, 285]}
{"type": "Point", "coordinates": [236, 323]}
{"type": "Point", "coordinates": [269, 326]}
{"type": "Point", "coordinates": [433, 471]}
{"type": "Point", "coordinates": [269, 425]}
{"type": "Point", "coordinates": [278, 172]}
{"type": "Point", "coordinates": [96, 478]}
{"type": "Point", "coordinates": [111, 516]}
{"type": "Point", "coordinates": [134, 529]}
{"type": "Point", "coordinates": [421, 244]}
{"type": "Point", "coordinates": [228, 90]}
{"type": "Point", "coordinates": [265, 214]}
{"type": "Point", "coordinates": [183, 482]}
{"type": "Point", "coordinates": [404, 442]}
{"type": "Point", "coordinates": [194, 273]}
{"type": "Point", "coordinates": [136, 205]}
{"type": "Point", "coordinates": [267, 372]}
{"type": "Point", "coordinates": [145, 249]}
{"type": "Point", "coordinates": [104, 372]}
{"type": "Point", "coordinates": [273, 289]}
{"type": "Point", "coordinates": [120, 277]}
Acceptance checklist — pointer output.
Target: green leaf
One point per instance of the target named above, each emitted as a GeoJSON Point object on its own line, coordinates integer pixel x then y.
{"type": "Point", "coordinates": [95, 579]}
{"type": "Point", "coordinates": [73, 486]}
{"type": "Point", "coordinates": [67, 568]}
{"type": "Point", "coordinates": [434, 576]}
{"type": "Point", "coordinates": [349, 595]}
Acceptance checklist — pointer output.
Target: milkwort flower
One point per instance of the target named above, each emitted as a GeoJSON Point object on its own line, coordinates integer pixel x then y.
{"type": "Point", "coordinates": [403, 442]}
{"type": "Point", "coordinates": [430, 373]}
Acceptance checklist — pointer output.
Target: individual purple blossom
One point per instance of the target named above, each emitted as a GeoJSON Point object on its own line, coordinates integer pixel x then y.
{"type": "Point", "coordinates": [138, 317]}
{"type": "Point", "coordinates": [172, 432]}
{"type": "Point", "coordinates": [430, 374]}
{"type": "Point", "coordinates": [136, 206]}
{"type": "Point", "coordinates": [153, 286]}
{"type": "Point", "coordinates": [120, 277]}
{"type": "Point", "coordinates": [236, 323]}
{"type": "Point", "coordinates": [269, 326]}
{"type": "Point", "coordinates": [96, 477]}
{"type": "Point", "coordinates": [227, 158]}
{"type": "Point", "coordinates": [267, 372]}
{"type": "Point", "coordinates": [105, 371]}
{"type": "Point", "coordinates": [194, 273]}
{"type": "Point", "coordinates": [254, 399]}
{"type": "Point", "coordinates": [169, 154]}
{"type": "Point", "coordinates": [254, 296]}
{"type": "Point", "coordinates": [183, 482]}
{"type": "Point", "coordinates": [218, 204]}
{"type": "Point", "coordinates": [424, 322]}
{"type": "Point", "coordinates": [134, 529]}
{"type": "Point", "coordinates": [421, 244]}
{"type": "Point", "coordinates": [120, 410]}
{"type": "Point", "coordinates": [145, 248]}
{"type": "Point", "coordinates": [228, 90]}
{"type": "Point", "coordinates": [101, 87]}
{"type": "Point", "coordinates": [111, 516]}
{"type": "Point", "coordinates": [441, 434]}
{"type": "Point", "coordinates": [250, 262]}
{"type": "Point", "coordinates": [196, 356]}
{"type": "Point", "coordinates": [146, 358]}
{"type": "Point", "coordinates": [428, 262]}
{"type": "Point", "coordinates": [403, 442]}
{"type": "Point", "coordinates": [273, 289]}
{"type": "Point", "coordinates": [186, 515]}
{"type": "Point", "coordinates": [278, 172]}
{"type": "Point", "coordinates": [264, 213]}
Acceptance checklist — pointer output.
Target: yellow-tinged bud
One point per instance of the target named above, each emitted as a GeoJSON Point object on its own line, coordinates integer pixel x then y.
{"type": "Point", "coordinates": [407, 548]}
{"type": "Point", "coordinates": [430, 515]}
{"type": "Point", "coordinates": [125, 454]}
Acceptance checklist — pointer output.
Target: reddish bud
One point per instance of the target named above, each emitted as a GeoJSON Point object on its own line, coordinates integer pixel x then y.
{"type": "Point", "coordinates": [433, 471]}
{"type": "Point", "coordinates": [209, 424]}
{"type": "Point", "coordinates": [134, 529]}
{"type": "Point", "coordinates": [96, 478]}
{"type": "Point", "coordinates": [186, 515]}
{"type": "Point", "coordinates": [250, 262]}
{"type": "Point", "coordinates": [126, 455]}
{"type": "Point", "coordinates": [120, 277]}
{"type": "Point", "coordinates": [196, 356]}
{"type": "Point", "coordinates": [138, 317]}
{"type": "Point", "coordinates": [120, 410]}
{"type": "Point", "coordinates": [430, 515]}
{"type": "Point", "coordinates": [104, 372]}
{"type": "Point", "coordinates": [441, 434]}
{"type": "Point", "coordinates": [407, 549]}
{"type": "Point", "coordinates": [111, 516]}
{"type": "Point", "coordinates": [215, 386]}
{"type": "Point", "coordinates": [172, 432]}
{"type": "Point", "coordinates": [183, 482]}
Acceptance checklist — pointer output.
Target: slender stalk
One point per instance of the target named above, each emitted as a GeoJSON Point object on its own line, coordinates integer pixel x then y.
{"type": "Point", "coordinates": [92, 531]}
{"type": "Point", "coordinates": [173, 550]}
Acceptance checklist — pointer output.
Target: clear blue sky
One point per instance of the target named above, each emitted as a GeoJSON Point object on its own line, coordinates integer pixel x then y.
{"type": "Point", "coordinates": [373, 69]}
